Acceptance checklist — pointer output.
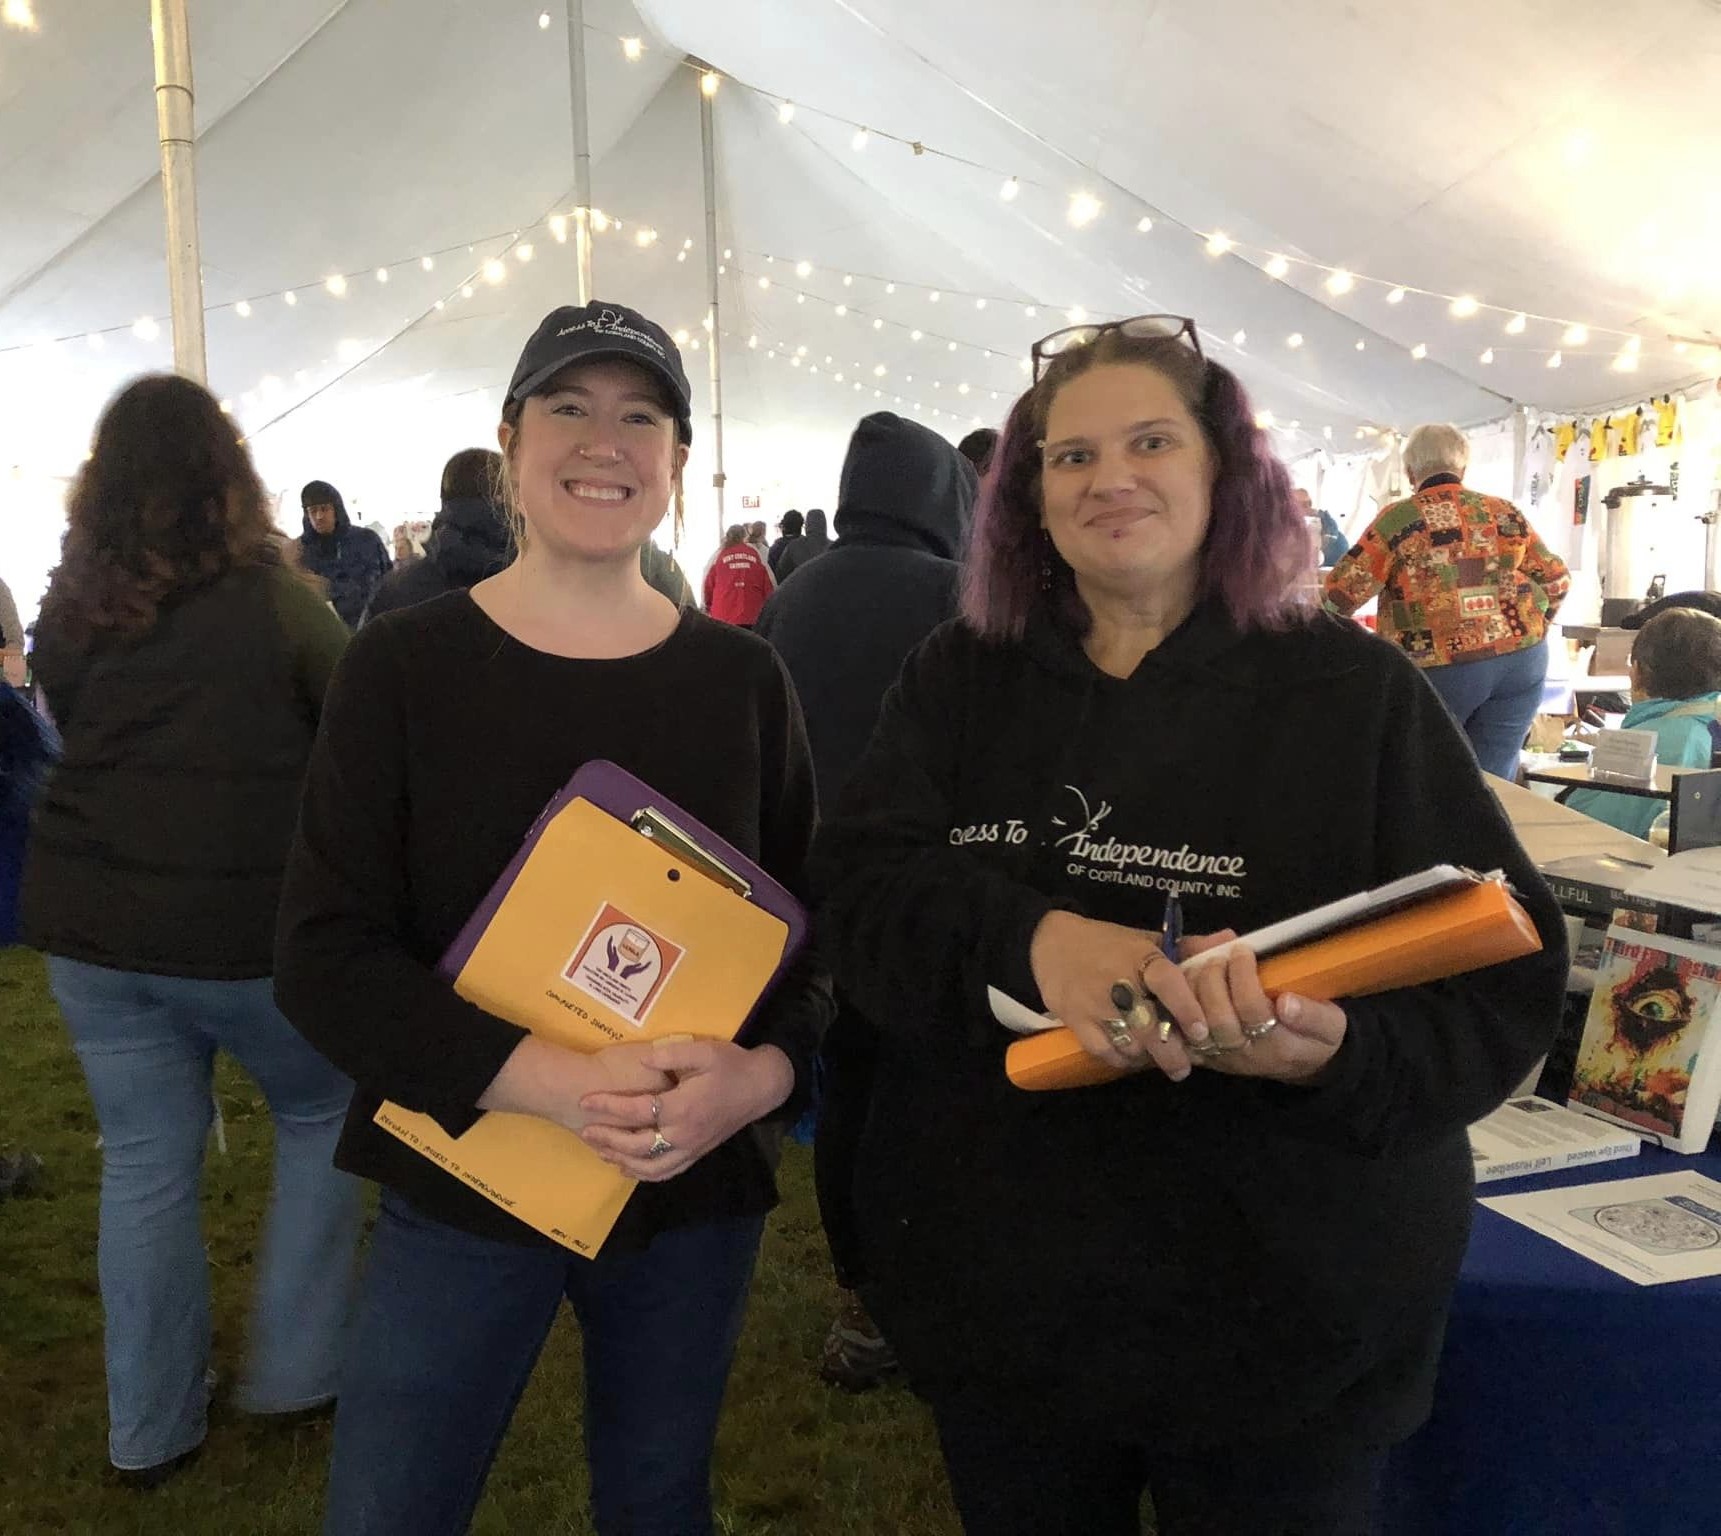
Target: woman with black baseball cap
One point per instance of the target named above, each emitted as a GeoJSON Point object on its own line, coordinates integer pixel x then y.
{"type": "Point", "coordinates": [448, 728]}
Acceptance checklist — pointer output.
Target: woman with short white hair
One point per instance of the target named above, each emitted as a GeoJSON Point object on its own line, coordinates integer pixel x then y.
{"type": "Point", "coordinates": [1467, 589]}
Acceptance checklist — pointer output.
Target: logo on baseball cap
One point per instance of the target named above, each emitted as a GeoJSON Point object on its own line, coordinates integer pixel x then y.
{"type": "Point", "coordinates": [586, 333]}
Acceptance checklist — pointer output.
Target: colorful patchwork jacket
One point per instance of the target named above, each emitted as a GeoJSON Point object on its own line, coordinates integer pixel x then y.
{"type": "Point", "coordinates": [1461, 576]}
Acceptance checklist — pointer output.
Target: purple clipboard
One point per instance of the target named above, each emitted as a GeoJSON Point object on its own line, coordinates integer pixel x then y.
{"type": "Point", "coordinates": [661, 821]}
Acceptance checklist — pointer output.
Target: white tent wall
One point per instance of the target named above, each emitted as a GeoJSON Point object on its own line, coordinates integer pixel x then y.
{"type": "Point", "coordinates": [1536, 157]}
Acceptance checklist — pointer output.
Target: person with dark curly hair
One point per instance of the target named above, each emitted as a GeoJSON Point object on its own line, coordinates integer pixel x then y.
{"type": "Point", "coordinates": [184, 661]}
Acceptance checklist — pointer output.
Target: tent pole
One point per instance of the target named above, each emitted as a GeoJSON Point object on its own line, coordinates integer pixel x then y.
{"type": "Point", "coordinates": [1520, 447]}
{"type": "Point", "coordinates": [174, 117]}
{"type": "Point", "coordinates": [582, 149]}
{"type": "Point", "coordinates": [714, 341]}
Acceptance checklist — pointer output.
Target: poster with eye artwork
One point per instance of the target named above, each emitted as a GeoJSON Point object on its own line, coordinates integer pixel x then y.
{"type": "Point", "coordinates": [1650, 1057]}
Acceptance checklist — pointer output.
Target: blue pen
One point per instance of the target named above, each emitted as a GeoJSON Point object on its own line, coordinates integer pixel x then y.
{"type": "Point", "coordinates": [1171, 942]}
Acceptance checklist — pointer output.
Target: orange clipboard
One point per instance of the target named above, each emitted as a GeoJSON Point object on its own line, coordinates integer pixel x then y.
{"type": "Point", "coordinates": [603, 931]}
{"type": "Point", "coordinates": [1466, 930]}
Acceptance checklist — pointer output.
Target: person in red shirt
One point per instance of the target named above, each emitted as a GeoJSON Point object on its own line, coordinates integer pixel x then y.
{"type": "Point", "coordinates": [739, 582]}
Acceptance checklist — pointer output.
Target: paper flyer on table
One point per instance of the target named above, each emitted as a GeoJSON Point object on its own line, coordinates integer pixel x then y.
{"type": "Point", "coordinates": [1653, 1231]}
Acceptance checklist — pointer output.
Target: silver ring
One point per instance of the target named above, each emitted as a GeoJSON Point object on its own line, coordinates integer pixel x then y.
{"type": "Point", "coordinates": [1212, 1047]}
{"type": "Point", "coordinates": [1121, 1034]}
{"type": "Point", "coordinates": [659, 1145]}
{"type": "Point", "coordinates": [1260, 1031]}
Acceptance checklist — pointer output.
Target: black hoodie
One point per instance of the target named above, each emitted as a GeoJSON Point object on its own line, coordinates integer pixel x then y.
{"type": "Point", "coordinates": [797, 552]}
{"type": "Point", "coordinates": [1192, 1261]}
{"type": "Point", "coordinates": [353, 561]}
{"type": "Point", "coordinates": [468, 541]}
{"type": "Point", "coordinates": [845, 624]}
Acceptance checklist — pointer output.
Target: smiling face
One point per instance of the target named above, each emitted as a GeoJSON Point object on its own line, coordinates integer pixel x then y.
{"type": "Point", "coordinates": [595, 460]}
{"type": "Point", "coordinates": [1127, 481]}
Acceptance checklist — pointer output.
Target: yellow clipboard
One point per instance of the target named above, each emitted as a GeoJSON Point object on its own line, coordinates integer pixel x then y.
{"type": "Point", "coordinates": [602, 936]}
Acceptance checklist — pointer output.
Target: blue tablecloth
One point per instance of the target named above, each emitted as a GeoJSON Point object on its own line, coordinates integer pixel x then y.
{"type": "Point", "coordinates": [1571, 1401]}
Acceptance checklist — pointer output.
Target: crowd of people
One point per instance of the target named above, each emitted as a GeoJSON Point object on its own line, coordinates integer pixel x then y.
{"type": "Point", "coordinates": [979, 732]}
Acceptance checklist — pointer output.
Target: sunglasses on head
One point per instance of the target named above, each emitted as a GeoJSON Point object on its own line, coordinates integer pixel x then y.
{"type": "Point", "coordinates": [1139, 328]}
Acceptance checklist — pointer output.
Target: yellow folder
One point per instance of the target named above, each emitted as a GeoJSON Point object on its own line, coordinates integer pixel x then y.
{"type": "Point", "coordinates": [604, 936]}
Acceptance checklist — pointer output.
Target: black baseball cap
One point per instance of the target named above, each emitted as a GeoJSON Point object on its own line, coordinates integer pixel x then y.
{"type": "Point", "coordinates": [585, 333]}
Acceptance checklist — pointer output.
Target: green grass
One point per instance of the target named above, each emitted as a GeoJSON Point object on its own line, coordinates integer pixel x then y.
{"type": "Point", "coordinates": [795, 1458]}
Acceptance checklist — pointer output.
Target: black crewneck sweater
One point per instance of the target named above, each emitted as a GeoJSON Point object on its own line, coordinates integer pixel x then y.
{"type": "Point", "coordinates": [441, 741]}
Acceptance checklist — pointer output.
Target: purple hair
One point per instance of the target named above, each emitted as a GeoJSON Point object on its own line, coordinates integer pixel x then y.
{"type": "Point", "coordinates": [1258, 548]}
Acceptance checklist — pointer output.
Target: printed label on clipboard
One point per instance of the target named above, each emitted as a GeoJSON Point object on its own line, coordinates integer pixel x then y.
{"type": "Point", "coordinates": [623, 964]}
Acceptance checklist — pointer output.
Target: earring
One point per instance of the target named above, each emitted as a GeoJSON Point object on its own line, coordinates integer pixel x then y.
{"type": "Point", "coordinates": [1045, 561]}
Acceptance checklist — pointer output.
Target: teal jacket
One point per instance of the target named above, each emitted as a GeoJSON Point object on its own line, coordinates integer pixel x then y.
{"type": "Point", "coordinates": [1681, 727]}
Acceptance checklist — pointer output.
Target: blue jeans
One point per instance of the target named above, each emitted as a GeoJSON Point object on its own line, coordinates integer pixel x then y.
{"type": "Point", "coordinates": [1494, 702]}
{"type": "Point", "coordinates": [449, 1327]}
{"type": "Point", "coordinates": [148, 1044]}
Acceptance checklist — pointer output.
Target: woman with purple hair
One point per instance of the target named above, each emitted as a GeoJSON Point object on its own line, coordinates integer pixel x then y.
{"type": "Point", "coordinates": [1221, 1280]}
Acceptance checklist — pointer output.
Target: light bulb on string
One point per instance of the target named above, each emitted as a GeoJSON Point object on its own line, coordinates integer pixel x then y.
{"type": "Point", "coordinates": [645, 238]}
{"type": "Point", "coordinates": [1083, 210]}
{"type": "Point", "coordinates": [709, 82]}
{"type": "Point", "coordinates": [1556, 360]}
{"type": "Point", "coordinates": [890, 287]}
{"type": "Point", "coordinates": [1633, 344]}
{"type": "Point", "coordinates": [289, 298]}
{"type": "Point", "coordinates": [428, 263]}
{"type": "Point", "coordinates": [1144, 225]}
{"type": "Point", "coordinates": [601, 221]}
{"type": "Point", "coordinates": [1396, 296]}
{"type": "Point", "coordinates": [878, 325]}
{"type": "Point", "coordinates": [337, 285]}
{"type": "Point", "coordinates": [803, 269]}
{"type": "Point", "coordinates": [952, 346]}
{"type": "Point", "coordinates": [1362, 346]}
{"type": "Point", "coordinates": [524, 253]}
{"type": "Point", "coordinates": [1011, 190]}
{"type": "Point", "coordinates": [1625, 362]}
{"type": "Point", "coordinates": [934, 296]}
{"type": "Point", "coordinates": [1294, 340]}
{"type": "Point", "coordinates": [1517, 325]}
{"type": "Point", "coordinates": [494, 272]}
{"type": "Point", "coordinates": [1487, 357]}
{"type": "Point", "coordinates": [1278, 267]}
{"type": "Point", "coordinates": [860, 141]}
{"type": "Point", "coordinates": [842, 311]}
{"type": "Point", "coordinates": [243, 309]}
{"type": "Point", "coordinates": [1030, 311]}
{"type": "Point", "coordinates": [558, 229]}
{"type": "Point", "coordinates": [800, 298]}
{"type": "Point", "coordinates": [1576, 336]}
{"type": "Point", "coordinates": [1218, 244]}
{"type": "Point", "coordinates": [467, 291]}
{"type": "Point", "coordinates": [1239, 338]}
{"type": "Point", "coordinates": [1340, 283]}
{"type": "Point", "coordinates": [1463, 307]}
{"type": "Point", "coordinates": [1419, 351]}
{"type": "Point", "coordinates": [915, 335]}
{"type": "Point", "coordinates": [96, 341]}
{"type": "Point", "coordinates": [145, 328]}
{"type": "Point", "coordinates": [631, 49]}
{"type": "Point", "coordinates": [979, 303]}
{"type": "Point", "coordinates": [382, 274]}
{"type": "Point", "coordinates": [786, 112]}
{"type": "Point", "coordinates": [543, 21]}
{"type": "Point", "coordinates": [764, 283]}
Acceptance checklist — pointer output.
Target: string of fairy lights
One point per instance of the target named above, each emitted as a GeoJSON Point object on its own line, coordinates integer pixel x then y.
{"type": "Point", "coordinates": [1093, 201]}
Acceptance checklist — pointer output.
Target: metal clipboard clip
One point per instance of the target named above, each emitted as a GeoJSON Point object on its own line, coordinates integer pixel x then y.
{"type": "Point", "coordinates": [657, 828]}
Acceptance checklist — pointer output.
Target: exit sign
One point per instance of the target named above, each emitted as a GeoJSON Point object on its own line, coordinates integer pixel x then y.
{"type": "Point", "coordinates": [749, 503]}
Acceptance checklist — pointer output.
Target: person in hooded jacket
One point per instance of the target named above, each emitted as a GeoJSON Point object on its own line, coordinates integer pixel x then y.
{"type": "Point", "coordinates": [1221, 1279]}
{"type": "Point", "coordinates": [353, 561]}
{"type": "Point", "coordinates": [844, 629]}
{"type": "Point", "coordinates": [468, 541]}
{"type": "Point", "coordinates": [814, 542]}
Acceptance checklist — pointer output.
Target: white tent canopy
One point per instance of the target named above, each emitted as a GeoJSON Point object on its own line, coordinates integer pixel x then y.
{"type": "Point", "coordinates": [1554, 161]}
